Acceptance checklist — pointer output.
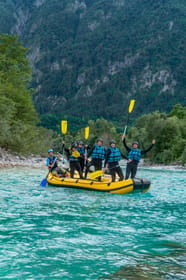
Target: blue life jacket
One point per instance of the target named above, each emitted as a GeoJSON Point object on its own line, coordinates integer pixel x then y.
{"type": "Point", "coordinates": [98, 152]}
{"type": "Point", "coordinates": [51, 161]}
{"type": "Point", "coordinates": [115, 155]}
{"type": "Point", "coordinates": [135, 154]}
{"type": "Point", "coordinates": [81, 150]}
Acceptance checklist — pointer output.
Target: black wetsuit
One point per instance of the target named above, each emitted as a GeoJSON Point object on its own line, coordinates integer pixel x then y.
{"type": "Point", "coordinates": [83, 152]}
{"type": "Point", "coordinates": [113, 166]}
{"type": "Point", "coordinates": [96, 162]}
{"type": "Point", "coordinates": [74, 163]}
{"type": "Point", "coordinates": [132, 166]}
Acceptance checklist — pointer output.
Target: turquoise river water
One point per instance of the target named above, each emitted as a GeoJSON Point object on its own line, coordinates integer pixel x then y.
{"type": "Point", "coordinates": [55, 233]}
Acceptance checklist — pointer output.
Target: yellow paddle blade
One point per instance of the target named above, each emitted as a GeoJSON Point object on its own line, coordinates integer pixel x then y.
{"type": "Point", "coordinates": [96, 174]}
{"type": "Point", "coordinates": [64, 127]}
{"type": "Point", "coordinates": [87, 129]}
{"type": "Point", "coordinates": [131, 105]}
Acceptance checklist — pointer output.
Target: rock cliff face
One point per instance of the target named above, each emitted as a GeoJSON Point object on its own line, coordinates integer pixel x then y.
{"type": "Point", "coordinates": [90, 57]}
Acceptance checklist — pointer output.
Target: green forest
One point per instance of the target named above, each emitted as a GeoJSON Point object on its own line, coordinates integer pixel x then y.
{"type": "Point", "coordinates": [90, 57]}
{"type": "Point", "coordinates": [169, 131]}
{"type": "Point", "coordinates": [21, 129]}
{"type": "Point", "coordinates": [18, 117]}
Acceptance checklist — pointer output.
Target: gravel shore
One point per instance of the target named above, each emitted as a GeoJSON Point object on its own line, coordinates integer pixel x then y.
{"type": "Point", "coordinates": [11, 160]}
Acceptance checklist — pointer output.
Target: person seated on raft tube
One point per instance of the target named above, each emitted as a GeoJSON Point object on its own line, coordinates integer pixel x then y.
{"type": "Point", "coordinates": [52, 163]}
{"type": "Point", "coordinates": [97, 153]}
{"type": "Point", "coordinates": [134, 156]}
{"type": "Point", "coordinates": [73, 157]}
{"type": "Point", "coordinates": [82, 149]}
{"type": "Point", "coordinates": [113, 156]}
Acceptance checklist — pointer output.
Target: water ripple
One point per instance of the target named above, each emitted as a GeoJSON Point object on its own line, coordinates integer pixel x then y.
{"type": "Point", "coordinates": [54, 233]}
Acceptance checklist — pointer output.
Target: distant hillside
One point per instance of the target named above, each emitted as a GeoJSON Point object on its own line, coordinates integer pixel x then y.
{"type": "Point", "coordinates": [90, 57]}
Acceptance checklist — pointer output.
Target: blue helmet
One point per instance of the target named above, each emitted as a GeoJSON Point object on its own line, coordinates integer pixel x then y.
{"type": "Point", "coordinates": [50, 151]}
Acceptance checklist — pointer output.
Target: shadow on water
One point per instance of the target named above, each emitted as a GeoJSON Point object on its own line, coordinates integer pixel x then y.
{"type": "Point", "coordinates": [150, 267]}
{"type": "Point", "coordinates": [140, 272]}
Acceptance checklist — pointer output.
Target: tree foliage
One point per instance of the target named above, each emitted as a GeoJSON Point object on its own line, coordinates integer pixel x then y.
{"type": "Point", "coordinates": [90, 57]}
{"type": "Point", "coordinates": [18, 117]}
{"type": "Point", "coordinates": [169, 130]}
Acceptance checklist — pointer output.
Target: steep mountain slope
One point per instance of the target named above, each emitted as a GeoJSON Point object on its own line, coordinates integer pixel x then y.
{"type": "Point", "coordinates": [90, 57]}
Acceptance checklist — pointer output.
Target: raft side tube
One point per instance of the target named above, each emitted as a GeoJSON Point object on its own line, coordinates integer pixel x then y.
{"type": "Point", "coordinates": [119, 187]}
{"type": "Point", "coordinates": [141, 184]}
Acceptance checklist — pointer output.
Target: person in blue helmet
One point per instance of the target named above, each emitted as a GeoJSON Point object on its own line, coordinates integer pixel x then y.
{"type": "Point", "coordinates": [52, 164]}
{"type": "Point", "coordinates": [97, 154]}
{"type": "Point", "coordinates": [113, 156]}
{"type": "Point", "coordinates": [134, 156]}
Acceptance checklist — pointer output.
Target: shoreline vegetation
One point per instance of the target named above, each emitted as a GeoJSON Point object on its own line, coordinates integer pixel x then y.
{"type": "Point", "coordinates": [10, 160]}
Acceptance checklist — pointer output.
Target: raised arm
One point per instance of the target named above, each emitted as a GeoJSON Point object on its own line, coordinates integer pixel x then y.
{"type": "Point", "coordinates": [65, 149]}
{"type": "Point", "coordinates": [149, 148]}
{"type": "Point", "coordinates": [125, 144]}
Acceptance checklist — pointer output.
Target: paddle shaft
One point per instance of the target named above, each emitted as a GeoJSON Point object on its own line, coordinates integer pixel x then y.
{"type": "Point", "coordinates": [63, 147]}
{"type": "Point", "coordinates": [125, 129]}
{"type": "Point", "coordinates": [87, 131]}
{"type": "Point", "coordinates": [64, 131]}
{"type": "Point", "coordinates": [130, 109]}
{"type": "Point", "coordinates": [50, 168]}
{"type": "Point", "coordinates": [44, 181]}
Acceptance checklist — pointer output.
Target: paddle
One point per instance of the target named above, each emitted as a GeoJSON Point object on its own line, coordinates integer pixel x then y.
{"type": "Point", "coordinates": [64, 131]}
{"type": "Point", "coordinates": [130, 109]}
{"type": "Point", "coordinates": [96, 174]}
{"type": "Point", "coordinates": [44, 181]}
{"type": "Point", "coordinates": [87, 131]}
{"type": "Point", "coordinates": [64, 127]}
{"type": "Point", "coordinates": [86, 135]}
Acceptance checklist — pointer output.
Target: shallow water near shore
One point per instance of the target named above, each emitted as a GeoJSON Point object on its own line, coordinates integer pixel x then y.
{"type": "Point", "coordinates": [55, 233]}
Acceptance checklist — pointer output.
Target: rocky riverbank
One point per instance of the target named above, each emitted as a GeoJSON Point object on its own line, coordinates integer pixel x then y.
{"type": "Point", "coordinates": [11, 160]}
{"type": "Point", "coordinates": [164, 167]}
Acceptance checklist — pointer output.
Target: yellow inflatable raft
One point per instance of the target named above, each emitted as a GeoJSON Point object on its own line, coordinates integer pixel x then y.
{"type": "Point", "coordinates": [121, 187]}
